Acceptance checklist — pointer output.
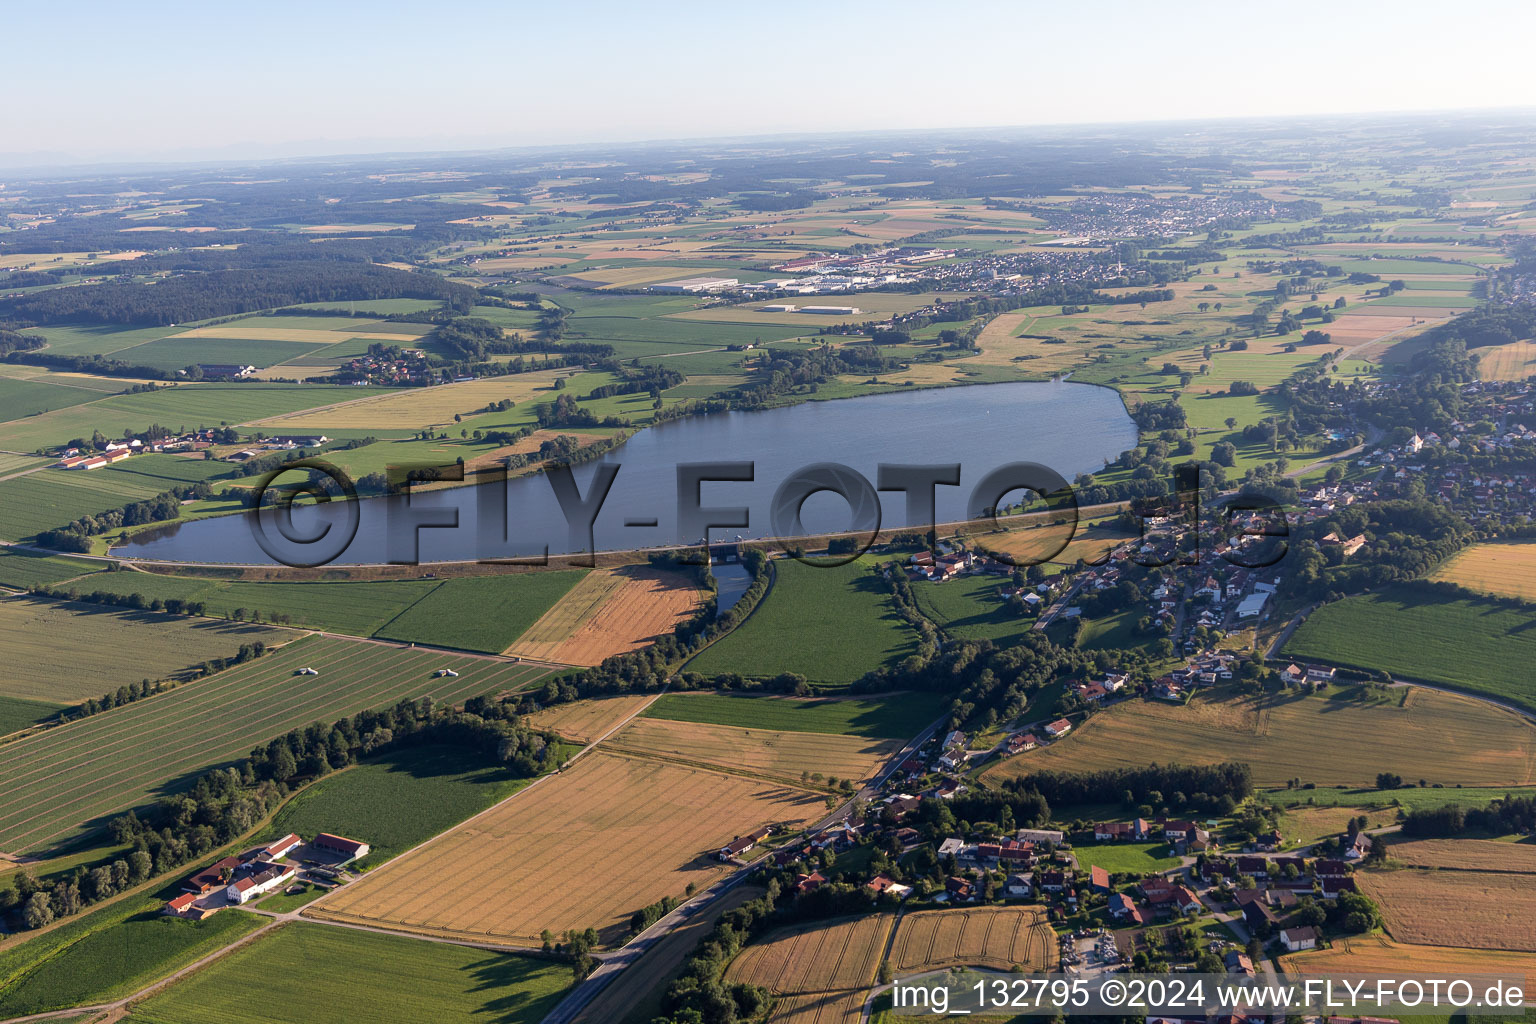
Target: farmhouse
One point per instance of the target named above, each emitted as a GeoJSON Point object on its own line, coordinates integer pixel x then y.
{"type": "Point", "coordinates": [741, 844]}
{"type": "Point", "coordinates": [186, 905]}
{"type": "Point", "coordinates": [234, 370]}
{"type": "Point", "coordinates": [211, 877]}
{"type": "Point", "coordinates": [1039, 835]}
{"type": "Point", "coordinates": [1058, 728]}
{"type": "Point", "coordinates": [351, 849]}
{"type": "Point", "coordinates": [1298, 939]}
{"type": "Point", "coordinates": [1117, 830]}
{"type": "Point", "coordinates": [264, 876]}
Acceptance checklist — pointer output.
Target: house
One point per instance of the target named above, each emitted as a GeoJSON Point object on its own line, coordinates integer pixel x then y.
{"type": "Point", "coordinates": [1258, 867]}
{"type": "Point", "coordinates": [1298, 939]}
{"type": "Point", "coordinates": [1332, 887]}
{"type": "Point", "coordinates": [1019, 885]}
{"type": "Point", "coordinates": [1185, 900]}
{"type": "Point", "coordinates": [1098, 879]}
{"type": "Point", "coordinates": [280, 848]}
{"type": "Point", "coordinates": [881, 885]}
{"type": "Point", "coordinates": [960, 889]}
{"type": "Point", "coordinates": [1238, 963]}
{"type": "Point", "coordinates": [952, 846]}
{"type": "Point", "coordinates": [741, 844]}
{"type": "Point", "coordinates": [1022, 741]}
{"type": "Point", "coordinates": [1122, 906]}
{"type": "Point", "coordinates": [1178, 830]}
{"type": "Point", "coordinates": [1058, 728]}
{"type": "Point", "coordinates": [1256, 912]}
{"type": "Point", "coordinates": [351, 849]}
{"type": "Point", "coordinates": [810, 882]}
{"type": "Point", "coordinates": [1157, 889]}
{"type": "Point", "coordinates": [1330, 868]}
{"type": "Point", "coordinates": [186, 905]}
{"type": "Point", "coordinates": [1053, 881]}
{"type": "Point", "coordinates": [1359, 847]}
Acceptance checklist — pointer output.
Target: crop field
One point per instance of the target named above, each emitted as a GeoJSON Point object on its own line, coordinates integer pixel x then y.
{"type": "Point", "coordinates": [829, 625]}
{"type": "Point", "coordinates": [414, 408]}
{"type": "Point", "coordinates": [312, 974]}
{"type": "Point", "coordinates": [999, 937]}
{"type": "Point", "coordinates": [1441, 737]}
{"type": "Point", "coordinates": [1504, 570]}
{"type": "Point", "coordinates": [481, 613]}
{"type": "Point", "coordinates": [969, 607]}
{"type": "Point", "coordinates": [566, 616]}
{"type": "Point", "coordinates": [821, 972]}
{"type": "Point", "coordinates": [116, 960]}
{"type": "Point", "coordinates": [19, 397]}
{"type": "Point", "coordinates": [163, 646]}
{"type": "Point", "coordinates": [584, 721]}
{"type": "Point", "coordinates": [399, 800]}
{"type": "Point", "coordinates": [628, 830]}
{"type": "Point", "coordinates": [610, 611]}
{"type": "Point", "coordinates": [178, 406]}
{"type": "Point", "coordinates": [896, 716]}
{"type": "Point", "coordinates": [634, 997]}
{"type": "Point", "coordinates": [55, 497]}
{"type": "Point", "coordinates": [1515, 361]}
{"type": "Point", "coordinates": [1379, 955]}
{"type": "Point", "coordinates": [17, 714]}
{"type": "Point", "coordinates": [23, 569]}
{"type": "Point", "coordinates": [782, 755]}
{"type": "Point", "coordinates": [1466, 855]}
{"type": "Point", "coordinates": [1472, 909]}
{"type": "Point", "coordinates": [1416, 633]}
{"type": "Point", "coordinates": [182, 351]}
{"type": "Point", "coordinates": [354, 608]}
{"type": "Point", "coordinates": [63, 782]}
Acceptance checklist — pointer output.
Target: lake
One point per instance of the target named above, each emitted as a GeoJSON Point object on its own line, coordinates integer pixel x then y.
{"type": "Point", "coordinates": [1072, 428]}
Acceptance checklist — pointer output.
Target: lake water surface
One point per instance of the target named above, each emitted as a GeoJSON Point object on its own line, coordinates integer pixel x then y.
{"type": "Point", "coordinates": [1072, 428]}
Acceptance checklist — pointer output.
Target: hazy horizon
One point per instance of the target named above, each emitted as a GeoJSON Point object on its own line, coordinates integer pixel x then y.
{"type": "Point", "coordinates": [172, 82]}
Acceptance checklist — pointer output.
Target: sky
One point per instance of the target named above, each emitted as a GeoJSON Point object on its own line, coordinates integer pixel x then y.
{"type": "Point", "coordinates": [161, 80]}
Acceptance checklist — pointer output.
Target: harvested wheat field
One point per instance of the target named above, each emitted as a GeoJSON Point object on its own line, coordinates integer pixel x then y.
{"type": "Point", "coordinates": [1378, 955]}
{"type": "Point", "coordinates": [997, 937]}
{"type": "Point", "coordinates": [1442, 737]}
{"type": "Point", "coordinates": [1472, 909]}
{"type": "Point", "coordinates": [821, 972]}
{"type": "Point", "coordinates": [1505, 570]}
{"type": "Point", "coordinates": [584, 721]}
{"type": "Point", "coordinates": [582, 849]}
{"type": "Point", "coordinates": [611, 611]}
{"type": "Point", "coordinates": [1515, 361]}
{"type": "Point", "coordinates": [1466, 855]}
{"type": "Point", "coordinates": [783, 755]}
